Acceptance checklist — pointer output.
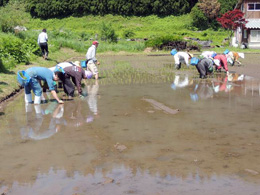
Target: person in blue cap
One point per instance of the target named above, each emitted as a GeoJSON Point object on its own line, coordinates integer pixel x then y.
{"type": "Point", "coordinates": [34, 76]}
{"type": "Point", "coordinates": [204, 66]}
{"type": "Point", "coordinates": [181, 57]}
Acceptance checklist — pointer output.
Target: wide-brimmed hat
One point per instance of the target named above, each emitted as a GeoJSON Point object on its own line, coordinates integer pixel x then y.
{"type": "Point", "coordinates": [77, 63]}
{"type": "Point", "coordinates": [190, 54]}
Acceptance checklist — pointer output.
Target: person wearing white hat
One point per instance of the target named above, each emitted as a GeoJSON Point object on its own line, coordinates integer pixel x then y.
{"type": "Point", "coordinates": [232, 57]}
{"type": "Point", "coordinates": [181, 57]}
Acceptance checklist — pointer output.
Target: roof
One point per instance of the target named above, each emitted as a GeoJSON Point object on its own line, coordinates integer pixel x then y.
{"type": "Point", "coordinates": [253, 23]}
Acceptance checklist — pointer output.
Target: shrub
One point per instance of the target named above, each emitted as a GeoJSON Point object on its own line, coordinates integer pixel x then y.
{"type": "Point", "coordinates": [158, 41]}
{"type": "Point", "coordinates": [108, 33]}
{"type": "Point", "coordinates": [128, 34]}
{"type": "Point", "coordinates": [199, 20]}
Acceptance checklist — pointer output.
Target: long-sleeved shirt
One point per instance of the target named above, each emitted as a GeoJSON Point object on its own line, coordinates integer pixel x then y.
{"type": "Point", "coordinates": [42, 73]}
{"type": "Point", "coordinates": [223, 61]}
{"type": "Point", "coordinates": [62, 65]}
{"type": "Point", "coordinates": [208, 54]}
{"type": "Point", "coordinates": [77, 73]}
{"type": "Point", "coordinates": [91, 54]}
{"type": "Point", "coordinates": [204, 65]}
{"type": "Point", "coordinates": [42, 38]}
{"type": "Point", "coordinates": [181, 57]}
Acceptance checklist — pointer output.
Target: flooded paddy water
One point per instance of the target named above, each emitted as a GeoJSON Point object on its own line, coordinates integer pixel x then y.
{"type": "Point", "coordinates": [143, 128]}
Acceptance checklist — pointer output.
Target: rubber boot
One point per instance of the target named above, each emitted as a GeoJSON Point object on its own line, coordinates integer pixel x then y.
{"type": "Point", "coordinates": [28, 98]}
{"type": "Point", "coordinates": [37, 100]}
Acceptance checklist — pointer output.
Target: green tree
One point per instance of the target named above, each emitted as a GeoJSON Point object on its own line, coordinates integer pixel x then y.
{"type": "Point", "coordinates": [108, 33]}
{"type": "Point", "coordinates": [199, 20]}
{"type": "Point", "coordinates": [227, 5]}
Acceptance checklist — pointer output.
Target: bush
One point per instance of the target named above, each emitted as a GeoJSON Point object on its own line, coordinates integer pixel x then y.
{"type": "Point", "coordinates": [128, 34]}
{"type": "Point", "coordinates": [158, 41]}
{"type": "Point", "coordinates": [108, 33]}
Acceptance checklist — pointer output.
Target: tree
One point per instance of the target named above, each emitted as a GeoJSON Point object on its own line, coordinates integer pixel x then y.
{"type": "Point", "coordinates": [199, 20]}
{"type": "Point", "coordinates": [204, 14]}
{"type": "Point", "coordinates": [108, 33]}
{"type": "Point", "coordinates": [210, 8]}
{"type": "Point", "coordinates": [231, 20]}
{"type": "Point", "coordinates": [226, 6]}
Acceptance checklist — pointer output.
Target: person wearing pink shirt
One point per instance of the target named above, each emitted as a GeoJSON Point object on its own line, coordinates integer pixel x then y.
{"type": "Point", "coordinates": [223, 62]}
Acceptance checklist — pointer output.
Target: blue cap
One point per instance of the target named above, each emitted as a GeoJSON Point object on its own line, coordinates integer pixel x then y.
{"type": "Point", "coordinates": [226, 51]}
{"type": "Point", "coordinates": [194, 61]}
{"type": "Point", "coordinates": [173, 52]}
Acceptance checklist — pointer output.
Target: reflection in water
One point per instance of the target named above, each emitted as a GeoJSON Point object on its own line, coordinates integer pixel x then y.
{"type": "Point", "coordinates": [34, 129]}
{"type": "Point", "coordinates": [180, 82]}
{"type": "Point", "coordinates": [123, 180]}
{"type": "Point", "coordinates": [92, 96]}
{"type": "Point", "coordinates": [209, 147]}
{"type": "Point", "coordinates": [205, 89]}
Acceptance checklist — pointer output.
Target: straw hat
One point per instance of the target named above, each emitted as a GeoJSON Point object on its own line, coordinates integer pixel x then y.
{"type": "Point", "coordinates": [77, 63]}
{"type": "Point", "coordinates": [190, 54]}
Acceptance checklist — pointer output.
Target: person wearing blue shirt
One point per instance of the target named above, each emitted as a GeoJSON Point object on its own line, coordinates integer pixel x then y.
{"type": "Point", "coordinates": [38, 74]}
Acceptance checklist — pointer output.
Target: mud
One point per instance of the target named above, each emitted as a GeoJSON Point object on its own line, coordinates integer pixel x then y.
{"type": "Point", "coordinates": [114, 142]}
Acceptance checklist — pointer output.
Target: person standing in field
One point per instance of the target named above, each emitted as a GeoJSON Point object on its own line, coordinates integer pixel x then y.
{"type": "Point", "coordinates": [42, 42]}
{"type": "Point", "coordinates": [91, 59]}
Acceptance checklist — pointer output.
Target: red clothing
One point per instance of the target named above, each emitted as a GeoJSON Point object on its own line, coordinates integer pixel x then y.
{"type": "Point", "coordinates": [223, 61]}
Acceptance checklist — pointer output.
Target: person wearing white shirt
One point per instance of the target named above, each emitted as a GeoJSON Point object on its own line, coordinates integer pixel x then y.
{"type": "Point", "coordinates": [181, 57]}
{"type": "Point", "coordinates": [42, 42]}
{"type": "Point", "coordinates": [91, 59]}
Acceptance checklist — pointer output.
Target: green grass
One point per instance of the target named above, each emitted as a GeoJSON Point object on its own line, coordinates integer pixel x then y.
{"type": "Point", "coordinates": [142, 27]}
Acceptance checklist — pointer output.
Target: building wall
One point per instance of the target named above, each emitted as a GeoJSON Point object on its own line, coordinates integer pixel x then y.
{"type": "Point", "coordinates": [250, 14]}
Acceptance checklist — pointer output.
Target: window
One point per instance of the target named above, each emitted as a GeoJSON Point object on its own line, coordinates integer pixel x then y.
{"type": "Point", "coordinates": [253, 6]}
{"type": "Point", "coordinates": [255, 36]}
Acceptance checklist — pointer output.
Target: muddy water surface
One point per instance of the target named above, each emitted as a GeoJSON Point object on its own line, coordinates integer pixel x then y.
{"type": "Point", "coordinates": [138, 134]}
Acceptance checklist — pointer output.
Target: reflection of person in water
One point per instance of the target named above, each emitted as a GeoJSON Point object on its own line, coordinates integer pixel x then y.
{"type": "Point", "coordinates": [92, 92]}
{"type": "Point", "coordinates": [221, 84]}
{"type": "Point", "coordinates": [180, 83]}
{"type": "Point", "coordinates": [202, 90]}
{"type": "Point", "coordinates": [35, 124]}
